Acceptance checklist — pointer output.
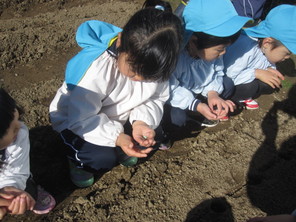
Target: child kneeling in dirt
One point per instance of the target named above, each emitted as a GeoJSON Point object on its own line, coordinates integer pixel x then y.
{"type": "Point", "coordinates": [120, 77]}
{"type": "Point", "coordinates": [198, 84]}
{"type": "Point", "coordinates": [250, 61]}
{"type": "Point", "coordinates": [18, 192]}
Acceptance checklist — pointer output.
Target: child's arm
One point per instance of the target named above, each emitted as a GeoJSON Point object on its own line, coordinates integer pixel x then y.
{"type": "Point", "coordinates": [276, 218]}
{"type": "Point", "coordinates": [21, 201]}
{"type": "Point", "coordinates": [270, 76]}
{"type": "Point", "coordinates": [5, 200]}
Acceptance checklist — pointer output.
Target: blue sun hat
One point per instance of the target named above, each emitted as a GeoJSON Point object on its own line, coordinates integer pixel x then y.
{"type": "Point", "coordinates": [214, 17]}
{"type": "Point", "coordinates": [280, 23]}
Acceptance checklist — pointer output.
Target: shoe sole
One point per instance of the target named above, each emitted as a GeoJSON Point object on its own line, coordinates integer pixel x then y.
{"type": "Point", "coordinates": [83, 184]}
{"type": "Point", "coordinates": [252, 108]}
{"type": "Point", "coordinates": [209, 125]}
{"type": "Point", "coordinates": [48, 209]}
{"type": "Point", "coordinates": [129, 162]}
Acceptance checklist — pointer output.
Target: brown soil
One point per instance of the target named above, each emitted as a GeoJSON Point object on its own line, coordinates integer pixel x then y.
{"type": "Point", "coordinates": [239, 169]}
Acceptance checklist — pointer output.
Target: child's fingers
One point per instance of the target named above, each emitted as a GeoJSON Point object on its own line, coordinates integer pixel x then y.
{"type": "Point", "coordinates": [6, 195]}
{"type": "Point", "coordinates": [276, 82]}
{"type": "Point", "coordinates": [219, 108]}
{"type": "Point", "coordinates": [231, 105]}
{"type": "Point", "coordinates": [14, 206]}
{"type": "Point", "coordinates": [4, 202]}
{"type": "Point", "coordinates": [29, 204]}
{"type": "Point", "coordinates": [148, 142]}
{"type": "Point", "coordinates": [277, 73]}
{"type": "Point", "coordinates": [133, 151]}
{"type": "Point", "coordinates": [3, 212]}
{"type": "Point", "coordinates": [22, 205]}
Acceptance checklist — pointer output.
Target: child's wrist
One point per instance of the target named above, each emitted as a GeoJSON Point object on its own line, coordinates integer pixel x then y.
{"type": "Point", "coordinates": [138, 122]}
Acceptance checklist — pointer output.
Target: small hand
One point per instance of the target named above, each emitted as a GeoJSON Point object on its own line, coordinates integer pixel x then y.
{"type": "Point", "coordinates": [127, 145]}
{"type": "Point", "coordinates": [143, 134]}
{"type": "Point", "coordinates": [218, 105]}
{"type": "Point", "coordinates": [270, 76]}
{"type": "Point", "coordinates": [205, 110]}
{"type": "Point", "coordinates": [20, 202]}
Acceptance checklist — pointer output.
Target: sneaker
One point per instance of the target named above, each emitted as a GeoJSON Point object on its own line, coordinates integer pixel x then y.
{"type": "Point", "coordinates": [80, 177]}
{"type": "Point", "coordinates": [44, 203]}
{"type": "Point", "coordinates": [165, 142]}
{"type": "Point", "coordinates": [224, 118]}
{"type": "Point", "coordinates": [209, 123]}
{"type": "Point", "coordinates": [250, 104]}
{"type": "Point", "coordinates": [129, 161]}
{"type": "Point", "coordinates": [165, 145]}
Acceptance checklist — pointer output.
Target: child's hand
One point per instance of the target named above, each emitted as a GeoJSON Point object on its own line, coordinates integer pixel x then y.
{"type": "Point", "coordinates": [143, 134]}
{"type": "Point", "coordinates": [218, 105]}
{"type": "Point", "coordinates": [127, 145]}
{"type": "Point", "coordinates": [21, 201]}
{"type": "Point", "coordinates": [205, 110]}
{"type": "Point", "coordinates": [5, 201]}
{"type": "Point", "coordinates": [276, 218]}
{"type": "Point", "coordinates": [270, 76]}
{"type": "Point", "coordinates": [3, 212]}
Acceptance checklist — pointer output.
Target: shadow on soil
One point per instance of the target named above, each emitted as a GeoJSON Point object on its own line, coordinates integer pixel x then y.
{"type": "Point", "coordinates": [271, 177]}
{"type": "Point", "coordinates": [216, 209]}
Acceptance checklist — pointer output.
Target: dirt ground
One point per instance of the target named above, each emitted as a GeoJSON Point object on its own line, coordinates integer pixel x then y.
{"type": "Point", "coordinates": [239, 169]}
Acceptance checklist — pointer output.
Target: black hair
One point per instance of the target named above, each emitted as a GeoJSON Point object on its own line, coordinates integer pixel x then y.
{"type": "Point", "coordinates": [152, 39]}
{"type": "Point", "coordinates": [152, 3]}
{"type": "Point", "coordinates": [205, 40]}
{"type": "Point", "coordinates": [7, 110]}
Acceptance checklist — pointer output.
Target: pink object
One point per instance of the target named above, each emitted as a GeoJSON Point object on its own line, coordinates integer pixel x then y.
{"type": "Point", "coordinates": [44, 203]}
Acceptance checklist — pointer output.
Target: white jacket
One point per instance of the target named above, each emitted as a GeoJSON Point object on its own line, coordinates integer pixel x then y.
{"type": "Point", "coordinates": [99, 105]}
{"type": "Point", "coordinates": [242, 59]}
{"type": "Point", "coordinates": [16, 169]}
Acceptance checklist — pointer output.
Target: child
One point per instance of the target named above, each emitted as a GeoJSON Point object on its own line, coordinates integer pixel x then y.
{"type": "Point", "coordinates": [250, 61]}
{"type": "Point", "coordinates": [15, 181]}
{"type": "Point", "coordinates": [198, 83]}
{"type": "Point", "coordinates": [119, 78]}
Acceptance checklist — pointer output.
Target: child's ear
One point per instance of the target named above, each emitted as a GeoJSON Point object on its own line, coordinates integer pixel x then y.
{"type": "Point", "coordinates": [118, 42]}
{"type": "Point", "coordinates": [267, 42]}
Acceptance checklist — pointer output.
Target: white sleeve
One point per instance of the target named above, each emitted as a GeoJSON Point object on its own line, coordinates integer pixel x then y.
{"type": "Point", "coordinates": [87, 120]}
{"type": "Point", "coordinates": [16, 169]}
{"type": "Point", "coordinates": [151, 111]}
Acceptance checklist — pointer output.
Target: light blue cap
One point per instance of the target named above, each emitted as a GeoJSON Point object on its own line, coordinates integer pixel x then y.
{"type": "Point", "coordinates": [280, 23]}
{"type": "Point", "coordinates": [214, 17]}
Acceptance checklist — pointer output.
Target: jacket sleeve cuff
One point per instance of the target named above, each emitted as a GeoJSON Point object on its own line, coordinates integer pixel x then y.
{"type": "Point", "coordinates": [194, 105]}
